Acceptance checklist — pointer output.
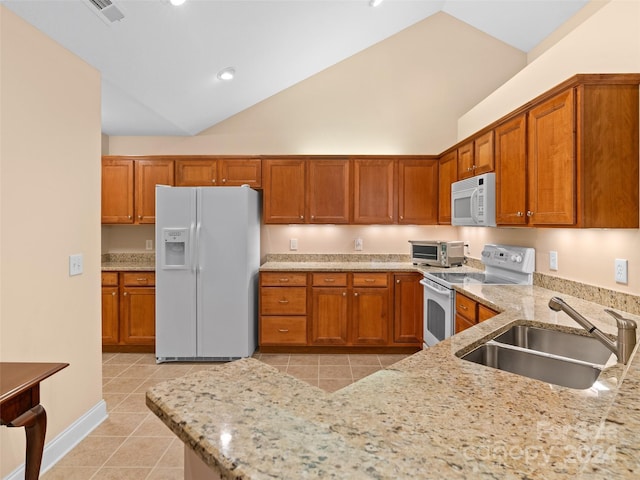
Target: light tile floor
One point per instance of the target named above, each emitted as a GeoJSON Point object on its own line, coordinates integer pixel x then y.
{"type": "Point", "coordinates": [132, 444]}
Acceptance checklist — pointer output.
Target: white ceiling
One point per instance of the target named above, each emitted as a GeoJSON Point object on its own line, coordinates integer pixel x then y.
{"type": "Point", "coordinates": [159, 63]}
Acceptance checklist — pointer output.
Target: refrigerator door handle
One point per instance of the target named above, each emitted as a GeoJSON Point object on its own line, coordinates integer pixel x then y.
{"type": "Point", "coordinates": [192, 250]}
{"type": "Point", "coordinates": [196, 263]}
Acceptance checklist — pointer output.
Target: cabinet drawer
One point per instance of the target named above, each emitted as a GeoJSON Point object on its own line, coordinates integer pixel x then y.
{"type": "Point", "coordinates": [485, 313]}
{"type": "Point", "coordinates": [370, 279]}
{"type": "Point", "coordinates": [109, 279]}
{"type": "Point", "coordinates": [283, 330]}
{"type": "Point", "coordinates": [283, 301]}
{"type": "Point", "coordinates": [466, 307]}
{"type": "Point", "coordinates": [142, 279]}
{"type": "Point", "coordinates": [329, 280]}
{"type": "Point", "coordinates": [284, 279]}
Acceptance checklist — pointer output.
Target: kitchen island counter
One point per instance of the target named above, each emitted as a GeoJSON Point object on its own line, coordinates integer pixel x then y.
{"type": "Point", "coordinates": [431, 415]}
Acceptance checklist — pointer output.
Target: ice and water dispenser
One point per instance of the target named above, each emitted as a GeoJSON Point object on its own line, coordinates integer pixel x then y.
{"type": "Point", "coordinates": [175, 246]}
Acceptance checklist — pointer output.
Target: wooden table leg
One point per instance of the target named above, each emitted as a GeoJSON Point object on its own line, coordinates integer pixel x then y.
{"type": "Point", "coordinates": [34, 422]}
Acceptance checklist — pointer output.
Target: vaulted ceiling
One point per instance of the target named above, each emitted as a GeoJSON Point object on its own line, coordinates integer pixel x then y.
{"type": "Point", "coordinates": [159, 62]}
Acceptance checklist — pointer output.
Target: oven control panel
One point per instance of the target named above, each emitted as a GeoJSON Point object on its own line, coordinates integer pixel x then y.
{"type": "Point", "coordinates": [509, 257]}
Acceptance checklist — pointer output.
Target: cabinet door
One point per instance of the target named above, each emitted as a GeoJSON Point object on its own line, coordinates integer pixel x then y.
{"type": "Point", "coordinates": [466, 307]}
{"type": "Point", "coordinates": [328, 191]}
{"type": "Point", "coordinates": [418, 192]}
{"type": "Point", "coordinates": [408, 300]}
{"type": "Point", "coordinates": [370, 316]}
{"type": "Point", "coordinates": [196, 172]}
{"type": "Point", "coordinates": [511, 172]}
{"type": "Point", "coordinates": [117, 190]}
{"type": "Point", "coordinates": [552, 165]}
{"type": "Point", "coordinates": [447, 174]}
{"type": "Point", "coordinates": [373, 191]}
{"type": "Point", "coordinates": [150, 173]}
{"type": "Point", "coordinates": [283, 187]}
{"type": "Point", "coordinates": [465, 161]}
{"type": "Point", "coordinates": [138, 316]}
{"type": "Point", "coordinates": [110, 315]}
{"type": "Point", "coordinates": [462, 323]}
{"type": "Point", "coordinates": [236, 172]}
{"type": "Point", "coordinates": [329, 316]}
{"type": "Point", "coordinates": [483, 154]}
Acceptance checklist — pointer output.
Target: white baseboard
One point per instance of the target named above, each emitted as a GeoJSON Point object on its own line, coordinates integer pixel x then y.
{"type": "Point", "coordinates": [57, 448]}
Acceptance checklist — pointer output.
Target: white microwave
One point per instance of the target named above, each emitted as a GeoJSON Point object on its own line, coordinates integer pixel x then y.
{"type": "Point", "coordinates": [473, 201]}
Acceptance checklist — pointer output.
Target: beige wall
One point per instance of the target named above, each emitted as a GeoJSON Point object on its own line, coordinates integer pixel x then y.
{"type": "Point", "coordinates": [606, 42]}
{"type": "Point", "coordinates": [49, 209]}
{"type": "Point", "coordinates": [357, 107]}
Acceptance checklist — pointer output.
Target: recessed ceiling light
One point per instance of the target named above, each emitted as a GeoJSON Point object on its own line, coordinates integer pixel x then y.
{"type": "Point", "coordinates": [375, 3]}
{"type": "Point", "coordinates": [176, 3]}
{"type": "Point", "coordinates": [227, 73]}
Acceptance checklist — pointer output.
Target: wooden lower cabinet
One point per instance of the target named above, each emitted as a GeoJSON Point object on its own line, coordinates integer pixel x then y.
{"type": "Point", "coordinates": [339, 311]}
{"type": "Point", "coordinates": [470, 313]}
{"type": "Point", "coordinates": [408, 298]}
{"type": "Point", "coordinates": [128, 311]}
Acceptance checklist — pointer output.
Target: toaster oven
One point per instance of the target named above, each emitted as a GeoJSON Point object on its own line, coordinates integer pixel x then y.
{"type": "Point", "coordinates": [437, 253]}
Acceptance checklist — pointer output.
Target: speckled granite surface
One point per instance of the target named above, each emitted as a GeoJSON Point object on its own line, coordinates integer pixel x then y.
{"type": "Point", "coordinates": [136, 262]}
{"type": "Point", "coordinates": [430, 416]}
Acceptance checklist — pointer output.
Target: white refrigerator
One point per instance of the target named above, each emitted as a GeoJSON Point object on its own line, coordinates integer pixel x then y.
{"type": "Point", "coordinates": [207, 261]}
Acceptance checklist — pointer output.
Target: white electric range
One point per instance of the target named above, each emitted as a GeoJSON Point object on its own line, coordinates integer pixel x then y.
{"type": "Point", "coordinates": [504, 265]}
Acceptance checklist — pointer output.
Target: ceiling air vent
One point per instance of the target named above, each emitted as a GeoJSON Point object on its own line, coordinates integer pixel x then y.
{"type": "Point", "coordinates": [106, 10]}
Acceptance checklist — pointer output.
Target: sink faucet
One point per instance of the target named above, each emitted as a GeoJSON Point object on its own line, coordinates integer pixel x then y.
{"type": "Point", "coordinates": [626, 329]}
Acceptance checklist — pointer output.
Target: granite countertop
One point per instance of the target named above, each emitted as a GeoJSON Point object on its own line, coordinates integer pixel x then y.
{"type": "Point", "coordinates": [132, 262]}
{"type": "Point", "coordinates": [431, 415]}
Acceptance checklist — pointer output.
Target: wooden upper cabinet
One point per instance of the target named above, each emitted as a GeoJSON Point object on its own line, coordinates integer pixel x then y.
{"type": "Point", "coordinates": [328, 191]}
{"type": "Point", "coordinates": [148, 174]}
{"type": "Point", "coordinates": [373, 190]}
{"type": "Point", "coordinates": [218, 171]}
{"type": "Point", "coordinates": [196, 172]}
{"type": "Point", "coordinates": [511, 172]}
{"type": "Point", "coordinates": [447, 174]}
{"type": "Point", "coordinates": [483, 155]}
{"type": "Point", "coordinates": [236, 172]}
{"type": "Point", "coordinates": [117, 190]}
{"type": "Point", "coordinates": [552, 165]}
{"type": "Point", "coordinates": [284, 190]}
{"type": "Point", "coordinates": [465, 161]}
{"type": "Point", "coordinates": [418, 191]}
{"type": "Point", "coordinates": [476, 156]}
{"type": "Point", "coordinates": [608, 151]}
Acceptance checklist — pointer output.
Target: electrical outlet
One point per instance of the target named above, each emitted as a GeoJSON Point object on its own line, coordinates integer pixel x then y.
{"type": "Point", "coordinates": [149, 245]}
{"type": "Point", "coordinates": [75, 264]}
{"type": "Point", "coordinates": [553, 260]}
{"type": "Point", "coordinates": [293, 244]}
{"type": "Point", "coordinates": [358, 244]}
{"type": "Point", "coordinates": [621, 270]}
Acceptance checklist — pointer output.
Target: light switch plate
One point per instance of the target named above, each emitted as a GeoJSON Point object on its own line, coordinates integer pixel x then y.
{"type": "Point", "coordinates": [621, 270]}
{"type": "Point", "coordinates": [358, 244]}
{"type": "Point", "coordinates": [75, 264]}
{"type": "Point", "coordinates": [293, 244]}
{"type": "Point", "coordinates": [148, 244]}
{"type": "Point", "coordinates": [553, 260]}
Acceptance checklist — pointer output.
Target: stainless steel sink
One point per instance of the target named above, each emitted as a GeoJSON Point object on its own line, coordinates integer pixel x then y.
{"type": "Point", "coordinates": [545, 367]}
{"type": "Point", "coordinates": [579, 347]}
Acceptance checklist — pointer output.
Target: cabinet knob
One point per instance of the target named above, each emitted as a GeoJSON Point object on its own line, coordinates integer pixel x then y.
{"type": "Point", "coordinates": [469, 169]}
{"type": "Point", "coordinates": [401, 217]}
{"type": "Point", "coordinates": [529, 213]}
{"type": "Point", "coordinates": [283, 330]}
{"type": "Point", "coordinates": [312, 217]}
{"type": "Point", "coordinates": [398, 281]}
{"type": "Point", "coordinates": [519, 214]}
{"type": "Point", "coordinates": [113, 294]}
{"type": "Point", "coordinates": [283, 301]}
{"type": "Point", "coordinates": [283, 280]}
{"type": "Point", "coordinates": [301, 217]}
{"type": "Point", "coordinates": [224, 180]}
{"type": "Point", "coordinates": [329, 279]}
{"type": "Point", "coordinates": [125, 294]}
{"type": "Point", "coordinates": [213, 180]}
{"type": "Point", "coordinates": [139, 217]}
{"type": "Point", "coordinates": [355, 294]}
{"type": "Point", "coordinates": [344, 294]}
{"type": "Point", "coordinates": [129, 217]}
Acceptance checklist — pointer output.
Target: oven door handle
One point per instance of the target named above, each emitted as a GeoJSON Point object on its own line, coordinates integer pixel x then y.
{"type": "Point", "coordinates": [435, 290]}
